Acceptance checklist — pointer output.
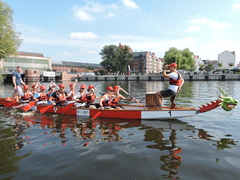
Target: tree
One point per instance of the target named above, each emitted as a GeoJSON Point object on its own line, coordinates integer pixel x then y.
{"type": "Point", "coordinates": [209, 67]}
{"type": "Point", "coordinates": [183, 58]}
{"type": "Point", "coordinates": [9, 38]}
{"type": "Point", "coordinates": [116, 58]}
{"type": "Point", "coordinates": [220, 64]}
{"type": "Point", "coordinates": [231, 64]}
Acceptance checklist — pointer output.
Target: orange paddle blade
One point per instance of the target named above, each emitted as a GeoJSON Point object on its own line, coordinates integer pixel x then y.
{"type": "Point", "coordinates": [43, 110]}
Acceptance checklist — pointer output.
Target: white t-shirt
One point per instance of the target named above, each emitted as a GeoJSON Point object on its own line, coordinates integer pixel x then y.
{"type": "Point", "coordinates": [174, 76]}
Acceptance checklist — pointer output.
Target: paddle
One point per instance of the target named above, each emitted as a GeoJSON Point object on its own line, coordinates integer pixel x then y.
{"type": "Point", "coordinates": [28, 106]}
{"type": "Point", "coordinates": [43, 110]}
{"type": "Point", "coordinates": [9, 104]}
{"type": "Point", "coordinates": [96, 115]}
{"type": "Point", "coordinates": [131, 97]}
{"type": "Point", "coordinates": [66, 108]}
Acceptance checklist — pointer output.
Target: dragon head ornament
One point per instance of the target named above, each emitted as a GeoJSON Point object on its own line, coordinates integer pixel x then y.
{"type": "Point", "coordinates": [227, 102]}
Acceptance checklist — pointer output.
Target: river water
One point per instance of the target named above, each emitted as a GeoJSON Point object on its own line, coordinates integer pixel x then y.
{"type": "Point", "coordinates": [47, 146]}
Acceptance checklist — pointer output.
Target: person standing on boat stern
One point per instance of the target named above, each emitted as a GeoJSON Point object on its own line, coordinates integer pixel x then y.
{"type": "Point", "coordinates": [17, 82]}
{"type": "Point", "coordinates": [175, 83]}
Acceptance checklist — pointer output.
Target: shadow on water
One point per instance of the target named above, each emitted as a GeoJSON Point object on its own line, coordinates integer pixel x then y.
{"type": "Point", "coordinates": [60, 130]}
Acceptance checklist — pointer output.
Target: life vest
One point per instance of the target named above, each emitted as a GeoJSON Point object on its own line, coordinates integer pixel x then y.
{"type": "Point", "coordinates": [61, 97]}
{"type": "Point", "coordinates": [42, 96]}
{"type": "Point", "coordinates": [111, 100]}
{"type": "Point", "coordinates": [69, 98]}
{"type": "Point", "coordinates": [26, 96]}
{"type": "Point", "coordinates": [82, 97]}
{"type": "Point", "coordinates": [115, 101]}
{"type": "Point", "coordinates": [90, 98]}
{"type": "Point", "coordinates": [177, 81]}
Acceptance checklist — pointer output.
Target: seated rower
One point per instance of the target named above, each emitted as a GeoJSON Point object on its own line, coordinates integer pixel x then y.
{"type": "Point", "coordinates": [41, 97]}
{"type": "Point", "coordinates": [58, 97]}
{"type": "Point", "coordinates": [90, 97]}
{"type": "Point", "coordinates": [70, 93]}
{"type": "Point", "coordinates": [80, 96]}
{"type": "Point", "coordinates": [26, 95]}
{"type": "Point", "coordinates": [106, 99]}
{"type": "Point", "coordinates": [117, 97]}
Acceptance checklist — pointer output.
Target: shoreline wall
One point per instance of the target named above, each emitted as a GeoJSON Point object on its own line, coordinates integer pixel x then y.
{"type": "Point", "coordinates": [209, 77]}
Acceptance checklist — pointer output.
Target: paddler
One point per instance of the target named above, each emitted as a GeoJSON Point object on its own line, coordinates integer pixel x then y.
{"type": "Point", "coordinates": [58, 97]}
{"type": "Point", "coordinates": [117, 97]}
{"type": "Point", "coordinates": [175, 83]}
{"type": "Point", "coordinates": [70, 93]}
{"type": "Point", "coordinates": [106, 99]}
{"type": "Point", "coordinates": [80, 96]}
{"type": "Point", "coordinates": [90, 97]}
{"type": "Point", "coordinates": [41, 96]}
{"type": "Point", "coordinates": [26, 95]}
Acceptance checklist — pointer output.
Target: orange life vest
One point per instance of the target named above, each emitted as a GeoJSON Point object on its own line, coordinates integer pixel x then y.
{"type": "Point", "coordinates": [26, 96]}
{"type": "Point", "coordinates": [42, 96]}
{"type": "Point", "coordinates": [90, 98]}
{"type": "Point", "coordinates": [61, 96]}
{"type": "Point", "coordinates": [177, 81]}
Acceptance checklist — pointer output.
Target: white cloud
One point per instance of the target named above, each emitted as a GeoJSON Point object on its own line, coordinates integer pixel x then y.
{"type": "Point", "coordinates": [218, 25]}
{"type": "Point", "coordinates": [93, 10]}
{"type": "Point", "coordinates": [193, 28]}
{"type": "Point", "coordinates": [199, 21]}
{"type": "Point", "coordinates": [82, 15]}
{"type": "Point", "coordinates": [83, 35]}
{"type": "Point", "coordinates": [236, 6]}
{"type": "Point", "coordinates": [213, 24]}
{"type": "Point", "coordinates": [130, 3]}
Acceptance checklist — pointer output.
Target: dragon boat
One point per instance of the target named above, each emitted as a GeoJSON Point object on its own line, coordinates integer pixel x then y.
{"type": "Point", "coordinates": [148, 111]}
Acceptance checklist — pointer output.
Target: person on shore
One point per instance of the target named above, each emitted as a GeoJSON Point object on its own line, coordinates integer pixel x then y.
{"type": "Point", "coordinates": [175, 83]}
{"type": "Point", "coordinates": [17, 82]}
{"type": "Point", "coordinates": [58, 97]}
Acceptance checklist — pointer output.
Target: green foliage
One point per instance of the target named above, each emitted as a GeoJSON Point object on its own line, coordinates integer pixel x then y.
{"type": "Point", "coordinates": [2, 77]}
{"type": "Point", "coordinates": [184, 58]}
{"type": "Point", "coordinates": [231, 64]}
{"type": "Point", "coordinates": [9, 39]}
{"type": "Point", "coordinates": [209, 67]}
{"type": "Point", "coordinates": [116, 58]}
{"type": "Point", "coordinates": [220, 64]}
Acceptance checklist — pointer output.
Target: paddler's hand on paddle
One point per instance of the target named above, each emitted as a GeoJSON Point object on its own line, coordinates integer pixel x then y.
{"type": "Point", "coordinates": [101, 107]}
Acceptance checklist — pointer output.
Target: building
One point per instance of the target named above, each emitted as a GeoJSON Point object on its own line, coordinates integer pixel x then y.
{"type": "Point", "coordinates": [227, 59]}
{"type": "Point", "coordinates": [75, 67]}
{"type": "Point", "coordinates": [145, 62]}
{"type": "Point", "coordinates": [27, 60]}
{"type": "Point", "coordinates": [198, 62]}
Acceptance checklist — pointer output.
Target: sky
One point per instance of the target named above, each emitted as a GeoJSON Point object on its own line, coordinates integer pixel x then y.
{"type": "Point", "coordinates": [77, 30]}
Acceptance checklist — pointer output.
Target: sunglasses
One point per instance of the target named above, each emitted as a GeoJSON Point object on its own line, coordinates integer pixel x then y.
{"type": "Point", "coordinates": [111, 91]}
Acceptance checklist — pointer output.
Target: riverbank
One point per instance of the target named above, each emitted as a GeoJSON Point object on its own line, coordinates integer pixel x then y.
{"type": "Point", "coordinates": [207, 77]}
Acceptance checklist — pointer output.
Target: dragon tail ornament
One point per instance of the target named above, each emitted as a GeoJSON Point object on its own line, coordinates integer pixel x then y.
{"type": "Point", "coordinates": [224, 100]}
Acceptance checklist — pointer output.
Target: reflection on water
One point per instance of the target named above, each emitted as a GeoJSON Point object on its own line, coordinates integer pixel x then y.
{"type": "Point", "coordinates": [55, 130]}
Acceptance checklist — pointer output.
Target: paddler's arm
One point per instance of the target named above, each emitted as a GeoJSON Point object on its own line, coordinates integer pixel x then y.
{"type": "Point", "coordinates": [50, 100]}
{"type": "Point", "coordinates": [164, 72]}
{"type": "Point", "coordinates": [182, 82]}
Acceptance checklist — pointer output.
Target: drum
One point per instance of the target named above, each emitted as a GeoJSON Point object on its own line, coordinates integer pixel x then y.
{"type": "Point", "coordinates": [150, 99]}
